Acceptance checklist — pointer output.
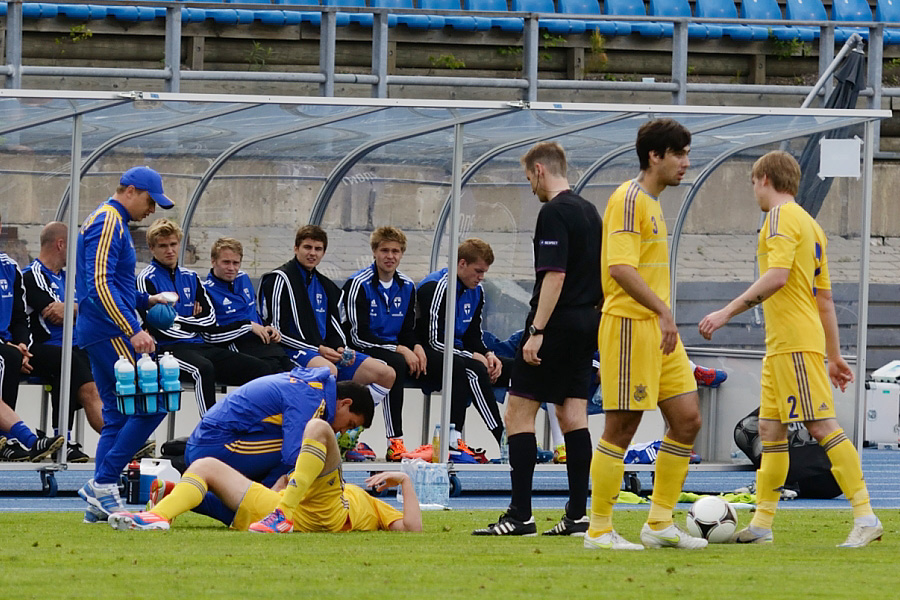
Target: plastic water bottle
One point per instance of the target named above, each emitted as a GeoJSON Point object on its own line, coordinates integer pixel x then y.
{"type": "Point", "coordinates": [504, 448]}
{"type": "Point", "coordinates": [148, 379]}
{"type": "Point", "coordinates": [168, 374]}
{"type": "Point", "coordinates": [441, 486]}
{"type": "Point", "coordinates": [419, 483]}
{"type": "Point", "coordinates": [125, 385]}
{"type": "Point", "coordinates": [436, 444]}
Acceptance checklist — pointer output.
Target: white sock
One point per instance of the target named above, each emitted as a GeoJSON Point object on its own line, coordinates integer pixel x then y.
{"type": "Point", "coordinates": [455, 435]}
{"type": "Point", "coordinates": [867, 521]}
{"type": "Point", "coordinates": [555, 430]}
{"type": "Point", "coordinates": [378, 393]}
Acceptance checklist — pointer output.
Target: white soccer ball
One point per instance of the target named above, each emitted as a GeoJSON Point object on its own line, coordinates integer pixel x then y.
{"type": "Point", "coordinates": [712, 518]}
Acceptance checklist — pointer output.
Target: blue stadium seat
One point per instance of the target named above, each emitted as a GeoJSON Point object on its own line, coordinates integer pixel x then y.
{"type": "Point", "coordinates": [361, 19]}
{"type": "Point", "coordinates": [412, 21]}
{"type": "Point", "coordinates": [270, 17]}
{"type": "Point", "coordinates": [681, 8]}
{"type": "Point", "coordinates": [633, 8]}
{"type": "Point", "coordinates": [503, 23]}
{"type": "Point", "coordinates": [850, 10]}
{"type": "Point", "coordinates": [135, 13]}
{"type": "Point", "coordinates": [39, 10]}
{"type": "Point", "coordinates": [888, 11]}
{"type": "Point", "coordinates": [555, 26]}
{"type": "Point", "coordinates": [592, 7]}
{"type": "Point", "coordinates": [771, 11]}
{"type": "Point", "coordinates": [806, 10]}
{"type": "Point", "coordinates": [457, 22]}
{"type": "Point", "coordinates": [725, 9]}
{"type": "Point", "coordinates": [309, 16]}
{"type": "Point", "coordinates": [81, 12]}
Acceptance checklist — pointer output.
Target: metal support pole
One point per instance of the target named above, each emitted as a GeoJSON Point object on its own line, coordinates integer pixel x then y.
{"type": "Point", "coordinates": [173, 48]}
{"type": "Point", "coordinates": [876, 68]}
{"type": "Point", "coordinates": [380, 54]}
{"type": "Point", "coordinates": [826, 55]}
{"type": "Point", "coordinates": [450, 305]}
{"type": "Point", "coordinates": [14, 44]}
{"type": "Point", "coordinates": [679, 61]}
{"type": "Point", "coordinates": [530, 58]}
{"type": "Point", "coordinates": [69, 309]}
{"type": "Point", "coordinates": [828, 70]}
{"type": "Point", "coordinates": [327, 41]}
{"type": "Point", "coordinates": [865, 233]}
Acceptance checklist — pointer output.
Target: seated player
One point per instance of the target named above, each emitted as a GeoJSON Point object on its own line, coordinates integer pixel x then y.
{"type": "Point", "coordinates": [234, 300]}
{"type": "Point", "coordinates": [380, 303]}
{"type": "Point", "coordinates": [202, 363]}
{"type": "Point", "coordinates": [45, 283]}
{"type": "Point", "coordinates": [304, 305]}
{"type": "Point", "coordinates": [316, 497]}
{"type": "Point", "coordinates": [475, 368]}
{"type": "Point", "coordinates": [28, 446]}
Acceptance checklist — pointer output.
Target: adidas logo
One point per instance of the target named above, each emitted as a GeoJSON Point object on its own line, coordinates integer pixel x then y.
{"type": "Point", "coordinates": [823, 406]}
{"type": "Point", "coordinates": [226, 302]}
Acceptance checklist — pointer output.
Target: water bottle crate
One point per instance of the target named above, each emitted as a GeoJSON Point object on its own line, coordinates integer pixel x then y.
{"type": "Point", "coordinates": [136, 403]}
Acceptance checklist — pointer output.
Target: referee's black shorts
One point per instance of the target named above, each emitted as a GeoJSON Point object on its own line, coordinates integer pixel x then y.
{"type": "Point", "coordinates": [570, 340]}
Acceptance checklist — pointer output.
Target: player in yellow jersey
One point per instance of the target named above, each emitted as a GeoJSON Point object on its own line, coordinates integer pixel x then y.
{"type": "Point", "coordinates": [643, 363]}
{"type": "Point", "coordinates": [801, 330]}
{"type": "Point", "coordinates": [314, 498]}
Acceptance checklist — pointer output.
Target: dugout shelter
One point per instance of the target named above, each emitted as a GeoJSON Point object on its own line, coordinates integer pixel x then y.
{"type": "Point", "coordinates": [257, 167]}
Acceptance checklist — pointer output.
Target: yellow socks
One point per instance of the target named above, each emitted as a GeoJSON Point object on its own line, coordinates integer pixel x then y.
{"type": "Point", "coordinates": [187, 494]}
{"type": "Point", "coordinates": [847, 471]}
{"type": "Point", "coordinates": [607, 470]}
{"type": "Point", "coordinates": [308, 467]}
{"type": "Point", "coordinates": [671, 469]}
{"type": "Point", "coordinates": [769, 481]}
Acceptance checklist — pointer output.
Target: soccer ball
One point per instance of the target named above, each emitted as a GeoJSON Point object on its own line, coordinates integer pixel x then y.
{"type": "Point", "coordinates": [712, 518]}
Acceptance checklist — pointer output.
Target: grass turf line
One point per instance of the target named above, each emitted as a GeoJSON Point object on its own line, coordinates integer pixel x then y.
{"type": "Point", "coordinates": [54, 555]}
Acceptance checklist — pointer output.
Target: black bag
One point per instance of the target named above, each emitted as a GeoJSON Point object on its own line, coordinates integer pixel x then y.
{"type": "Point", "coordinates": [174, 451]}
{"type": "Point", "coordinates": [810, 470]}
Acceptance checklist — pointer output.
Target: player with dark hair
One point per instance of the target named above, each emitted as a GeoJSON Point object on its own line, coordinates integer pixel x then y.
{"type": "Point", "coordinates": [475, 368]}
{"type": "Point", "coordinates": [643, 363]}
{"type": "Point", "coordinates": [234, 300]}
{"type": "Point", "coordinates": [553, 362]}
{"type": "Point", "coordinates": [794, 289]}
{"type": "Point", "coordinates": [304, 305]}
{"type": "Point", "coordinates": [316, 497]}
{"type": "Point", "coordinates": [380, 304]}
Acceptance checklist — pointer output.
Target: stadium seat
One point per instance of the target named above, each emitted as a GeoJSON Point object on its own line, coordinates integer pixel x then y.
{"type": "Point", "coordinates": [503, 23]}
{"type": "Point", "coordinates": [770, 10]}
{"type": "Point", "coordinates": [143, 12]}
{"type": "Point", "coordinates": [313, 17]}
{"type": "Point", "coordinates": [888, 11]}
{"type": "Point", "coordinates": [39, 10]}
{"type": "Point", "coordinates": [725, 9]}
{"type": "Point", "coordinates": [270, 17]}
{"type": "Point", "coordinates": [81, 12]}
{"type": "Point", "coordinates": [457, 22]}
{"type": "Point", "coordinates": [554, 26]}
{"type": "Point", "coordinates": [850, 10]}
{"type": "Point", "coordinates": [592, 7]}
{"type": "Point", "coordinates": [806, 10]}
{"type": "Point", "coordinates": [633, 8]}
{"type": "Point", "coordinates": [410, 20]}
{"type": "Point", "coordinates": [361, 19]}
{"type": "Point", "coordinates": [681, 8]}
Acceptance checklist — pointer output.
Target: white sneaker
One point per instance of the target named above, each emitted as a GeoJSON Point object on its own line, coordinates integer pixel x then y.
{"type": "Point", "coordinates": [670, 537]}
{"type": "Point", "coordinates": [860, 536]}
{"type": "Point", "coordinates": [609, 541]}
{"type": "Point", "coordinates": [746, 536]}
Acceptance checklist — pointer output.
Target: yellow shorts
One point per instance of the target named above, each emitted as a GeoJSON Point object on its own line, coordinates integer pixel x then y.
{"type": "Point", "coordinates": [324, 507]}
{"type": "Point", "coordinates": [795, 388]}
{"type": "Point", "coordinates": [634, 373]}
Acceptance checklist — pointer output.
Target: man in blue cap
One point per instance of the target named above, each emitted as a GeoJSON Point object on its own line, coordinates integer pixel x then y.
{"type": "Point", "coordinates": [108, 327]}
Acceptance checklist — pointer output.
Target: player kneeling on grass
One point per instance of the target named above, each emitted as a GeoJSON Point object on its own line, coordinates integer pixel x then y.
{"type": "Point", "coordinates": [314, 499]}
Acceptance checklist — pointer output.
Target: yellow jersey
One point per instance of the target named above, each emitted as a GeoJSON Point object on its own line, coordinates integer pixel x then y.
{"type": "Point", "coordinates": [791, 239]}
{"type": "Point", "coordinates": [635, 234]}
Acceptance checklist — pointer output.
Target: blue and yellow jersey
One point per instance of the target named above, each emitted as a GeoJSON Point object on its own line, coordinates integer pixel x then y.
{"type": "Point", "coordinates": [634, 234]}
{"type": "Point", "coordinates": [276, 408]}
{"type": "Point", "coordinates": [791, 239]}
{"type": "Point", "coordinates": [105, 283]}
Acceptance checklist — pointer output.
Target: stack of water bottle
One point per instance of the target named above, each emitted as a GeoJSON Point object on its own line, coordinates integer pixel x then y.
{"type": "Point", "coordinates": [431, 481]}
{"type": "Point", "coordinates": [138, 392]}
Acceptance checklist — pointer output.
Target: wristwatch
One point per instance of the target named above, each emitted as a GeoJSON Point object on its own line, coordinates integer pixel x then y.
{"type": "Point", "coordinates": [532, 330]}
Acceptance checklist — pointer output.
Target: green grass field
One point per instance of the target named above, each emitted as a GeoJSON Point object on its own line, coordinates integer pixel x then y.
{"type": "Point", "coordinates": [54, 555]}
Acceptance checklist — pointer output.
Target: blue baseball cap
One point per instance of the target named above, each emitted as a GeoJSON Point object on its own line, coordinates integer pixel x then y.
{"type": "Point", "coordinates": [148, 180]}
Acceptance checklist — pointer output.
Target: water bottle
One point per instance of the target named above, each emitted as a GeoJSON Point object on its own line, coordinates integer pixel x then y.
{"type": "Point", "coordinates": [125, 385]}
{"type": "Point", "coordinates": [133, 483]}
{"type": "Point", "coordinates": [348, 356]}
{"type": "Point", "coordinates": [430, 484]}
{"type": "Point", "coordinates": [436, 444]}
{"type": "Point", "coordinates": [441, 486]}
{"type": "Point", "coordinates": [148, 379]}
{"type": "Point", "coordinates": [419, 483]}
{"type": "Point", "coordinates": [168, 374]}
{"type": "Point", "coordinates": [504, 448]}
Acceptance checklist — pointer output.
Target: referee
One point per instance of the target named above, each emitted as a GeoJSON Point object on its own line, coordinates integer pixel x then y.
{"type": "Point", "coordinates": [553, 361]}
